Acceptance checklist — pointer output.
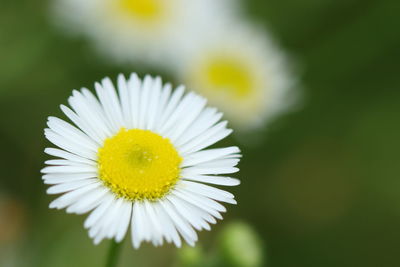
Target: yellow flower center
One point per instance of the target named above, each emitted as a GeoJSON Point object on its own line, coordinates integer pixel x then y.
{"type": "Point", "coordinates": [144, 10]}
{"type": "Point", "coordinates": [230, 75]}
{"type": "Point", "coordinates": [138, 164]}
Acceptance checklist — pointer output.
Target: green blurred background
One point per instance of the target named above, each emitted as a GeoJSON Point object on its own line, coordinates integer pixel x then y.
{"type": "Point", "coordinates": [321, 189]}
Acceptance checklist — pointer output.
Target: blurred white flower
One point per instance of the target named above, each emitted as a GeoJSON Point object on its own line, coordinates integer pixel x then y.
{"type": "Point", "coordinates": [241, 71]}
{"type": "Point", "coordinates": [150, 31]}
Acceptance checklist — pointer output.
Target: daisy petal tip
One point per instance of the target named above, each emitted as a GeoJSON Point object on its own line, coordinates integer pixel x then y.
{"type": "Point", "coordinates": [106, 81]}
{"type": "Point", "coordinates": [86, 224]}
{"type": "Point", "coordinates": [69, 210]}
{"type": "Point", "coordinates": [50, 191]}
{"type": "Point", "coordinates": [235, 169]}
{"type": "Point", "coordinates": [98, 86]}
{"type": "Point", "coordinates": [53, 205]}
{"type": "Point", "coordinates": [181, 88]}
{"type": "Point", "coordinates": [148, 78]}
{"type": "Point", "coordinates": [133, 76]}
{"type": "Point", "coordinates": [63, 107]}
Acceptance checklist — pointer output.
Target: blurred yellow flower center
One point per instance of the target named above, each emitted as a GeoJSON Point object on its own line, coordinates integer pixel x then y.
{"type": "Point", "coordinates": [138, 164]}
{"type": "Point", "coordinates": [146, 10]}
{"type": "Point", "coordinates": [229, 74]}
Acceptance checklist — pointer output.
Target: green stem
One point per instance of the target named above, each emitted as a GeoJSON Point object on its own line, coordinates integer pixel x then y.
{"type": "Point", "coordinates": [113, 252]}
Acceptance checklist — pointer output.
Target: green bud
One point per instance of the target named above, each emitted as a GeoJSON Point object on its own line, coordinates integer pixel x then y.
{"type": "Point", "coordinates": [240, 246]}
{"type": "Point", "coordinates": [190, 256]}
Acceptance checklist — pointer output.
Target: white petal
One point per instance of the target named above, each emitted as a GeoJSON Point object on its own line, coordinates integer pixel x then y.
{"type": "Point", "coordinates": [124, 221]}
{"type": "Point", "coordinates": [208, 191]}
{"type": "Point", "coordinates": [189, 215]}
{"type": "Point", "coordinates": [88, 202]}
{"type": "Point", "coordinates": [197, 170]}
{"type": "Point", "coordinates": [169, 229]}
{"type": "Point", "coordinates": [205, 121]}
{"type": "Point", "coordinates": [69, 145]}
{"type": "Point", "coordinates": [137, 227]}
{"type": "Point", "coordinates": [203, 216]}
{"type": "Point", "coordinates": [124, 98]}
{"type": "Point", "coordinates": [144, 101]}
{"type": "Point", "coordinates": [207, 204]}
{"type": "Point", "coordinates": [70, 169]}
{"type": "Point", "coordinates": [181, 225]}
{"type": "Point", "coordinates": [218, 180]}
{"type": "Point", "coordinates": [219, 163]}
{"type": "Point", "coordinates": [209, 137]}
{"type": "Point", "coordinates": [134, 85]}
{"type": "Point", "coordinates": [64, 162]}
{"type": "Point", "coordinates": [201, 213]}
{"type": "Point", "coordinates": [98, 115]}
{"type": "Point", "coordinates": [155, 226]}
{"type": "Point", "coordinates": [58, 162]}
{"type": "Point", "coordinates": [115, 218]}
{"type": "Point", "coordinates": [146, 227]}
{"type": "Point", "coordinates": [106, 226]}
{"type": "Point", "coordinates": [184, 114]}
{"type": "Point", "coordinates": [109, 106]}
{"type": "Point", "coordinates": [99, 211]}
{"type": "Point", "coordinates": [111, 94]}
{"type": "Point", "coordinates": [82, 124]}
{"type": "Point", "coordinates": [188, 116]}
{"type": "Point", "coordinates": [58, 178]}
{"type": "Point", "coordinates": [68, 156]}
{"type": "Point", "coordinates": [172, 103]}
{"type": "Point", "coordinates": [165, 94]}
{"type": "Point", "coordinates": [154, 99]}
{"type": "Point", "coordinates": [70, 132]}
{"type": "Point", "coordinates": [73, 196]}
{"type": "Point", "coordinates": [91, 113]}
{"type": "Point", "coordinates": [209, 155]}
{"type": "Point", "coordinates": [70, 186]}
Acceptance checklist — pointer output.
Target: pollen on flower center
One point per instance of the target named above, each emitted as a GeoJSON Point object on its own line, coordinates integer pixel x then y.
{"type": "Point", "coordinates": [146, 10]}
{"type": "Point", "coordinates": [229, 74]}
{"type": "Point", "coordinates": [138, 164]}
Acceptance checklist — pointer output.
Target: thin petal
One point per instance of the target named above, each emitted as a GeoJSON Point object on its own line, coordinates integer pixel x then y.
{"type": "Point", "coordinates": [209, 155]}
{"type": "Point", "coordinates": [88, 202]}
{"type": "Point", "coordinates": [70, 186]}
{"type": "Point", "coordinates": [124, 221]}
{"type": "Point", "coordinates": [218, 180]}
{"type": "Point", "coordinates": [72, 197]}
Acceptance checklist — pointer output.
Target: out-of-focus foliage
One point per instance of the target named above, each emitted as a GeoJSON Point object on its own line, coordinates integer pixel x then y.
{"type": "Point", "coordinates": [192, 257]}
{"type": "Point", "coordinates": [240, 246]}
{"type": "Point", "coordinates": [322, 188]}
{"type": "Point", "coordinates": [236, 245]}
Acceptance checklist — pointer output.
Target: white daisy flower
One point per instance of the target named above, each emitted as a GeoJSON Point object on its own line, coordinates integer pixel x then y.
{"type": "Point", "coordinates": [150, 31]}
{"type": "Point", "coordinates": [138, 157]}
{"type": "Point", "coordinates": [242, 72]}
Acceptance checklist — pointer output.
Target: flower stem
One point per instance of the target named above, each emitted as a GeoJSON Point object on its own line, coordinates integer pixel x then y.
{"type": "Point", "coordinates": [113, 253]}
